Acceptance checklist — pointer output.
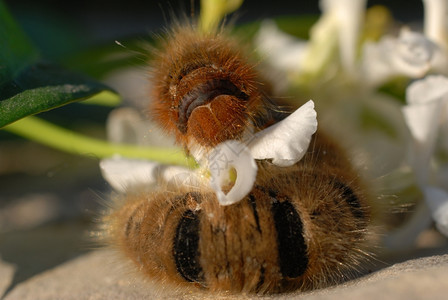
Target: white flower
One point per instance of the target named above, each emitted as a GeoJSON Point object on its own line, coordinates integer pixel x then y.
{"type": "Point", "coordinates": [411, 54]}
{"type": "Point", "coordinates": [425, 114]}
{"type": "Point", "coordinates": [427, 104]}
{"type": "Point", "coordinates": [336, 32]}
{"type": "Point", "coordinates": [285, 143]}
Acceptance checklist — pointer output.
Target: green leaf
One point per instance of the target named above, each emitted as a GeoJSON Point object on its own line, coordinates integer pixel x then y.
{"type": "Point", "coordinates": [29, 86]}
{"type": "Point", "coordinates": [41, 87]}
{"type": "Point", "coordinates": [298, 26]}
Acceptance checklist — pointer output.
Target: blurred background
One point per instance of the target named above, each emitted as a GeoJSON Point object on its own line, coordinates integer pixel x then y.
{"type": "Point", "coordinates": [49, 200]}
{"type": "Point", "coordinates": [102, 21]}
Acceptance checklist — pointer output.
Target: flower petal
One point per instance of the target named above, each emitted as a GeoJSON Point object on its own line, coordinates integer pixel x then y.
{"type": "Point", "coordinates": [123, 126]}
{"type": "Point", "coordinates": [228, 155]}
{"type": "Point", "coordinates": [435, 21]}
{"type": "Point", "coordinates": [287, 141]}
{"type": "Point", "coordinates": [413, 53]}
{"type": "Point", "coordinates": [437, 200]}
{"type": "Point", "coordinates": [422, 121]}
{"type": "Point", "coordinates": [427, 100]}
{"type": "Point", "coordinates": [123, 173]}
{"type": "Point", "coordinates": [431, 88]}
{"type": "Point", "coordinates": [322, 47]}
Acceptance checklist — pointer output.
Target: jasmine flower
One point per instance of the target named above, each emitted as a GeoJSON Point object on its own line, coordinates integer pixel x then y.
{"type": "Point", "coordinates": [285, 143]}
{"type": "Point", "coordinates": [334, 35]}
{"type": "Point", "coordinates": [425, 114]}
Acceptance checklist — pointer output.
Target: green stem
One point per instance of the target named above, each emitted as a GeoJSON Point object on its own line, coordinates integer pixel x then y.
{"type": "Point", "coordinates": [54, 136]}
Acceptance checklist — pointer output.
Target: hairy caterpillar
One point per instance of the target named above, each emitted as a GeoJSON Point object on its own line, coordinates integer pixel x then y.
{"type": "Point", "coordinates": [301, 227]}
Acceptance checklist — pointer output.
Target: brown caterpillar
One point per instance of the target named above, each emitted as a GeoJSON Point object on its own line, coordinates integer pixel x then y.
{"type": "Point", "coordinates": [300, 227]}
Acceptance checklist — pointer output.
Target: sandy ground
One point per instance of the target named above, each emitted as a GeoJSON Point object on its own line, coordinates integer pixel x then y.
{"type": "Point", "coordinates": [92, 276]}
